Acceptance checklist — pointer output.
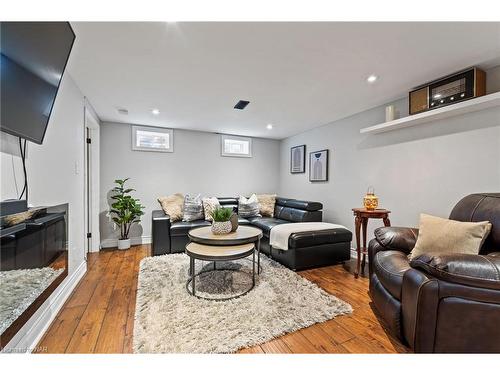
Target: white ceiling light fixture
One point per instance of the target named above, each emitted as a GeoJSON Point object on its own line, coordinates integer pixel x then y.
{"type": "Point", "coordinates": [269, 126]}
{"type": "Point", "coordinates": [371, 78]}
{"type": "Point", "coordinates": [155, 111]}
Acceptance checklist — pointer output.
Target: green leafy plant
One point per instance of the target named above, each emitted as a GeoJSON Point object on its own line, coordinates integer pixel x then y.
{"type": "Point", "coordinates": [222, 214]}
{"type": "Point", "coordinates": [125, 210]}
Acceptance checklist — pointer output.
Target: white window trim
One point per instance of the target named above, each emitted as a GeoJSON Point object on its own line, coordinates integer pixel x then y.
{"type": "Point", "coordinates": [168, 131]}
{"type": "Point", "coordinates": [226, 154]}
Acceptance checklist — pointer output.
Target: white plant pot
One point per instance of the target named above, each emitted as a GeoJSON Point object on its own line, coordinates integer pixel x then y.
{"type": "Point", "coordinates": [221, 227]}
{"type": "Point", "coordinates": [124, 244]}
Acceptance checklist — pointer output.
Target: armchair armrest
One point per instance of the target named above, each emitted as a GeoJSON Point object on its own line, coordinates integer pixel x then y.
{"type": "Point", "coordinates": [397, 238]}
{"type": "Point", "coordinates": [482, 271]}
{"type": "Point", "coordinates": [391, 238]}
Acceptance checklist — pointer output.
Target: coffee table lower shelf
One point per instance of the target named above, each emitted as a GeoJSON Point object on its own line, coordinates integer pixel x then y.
{"type": "Point", "coordinates": [215, 254]}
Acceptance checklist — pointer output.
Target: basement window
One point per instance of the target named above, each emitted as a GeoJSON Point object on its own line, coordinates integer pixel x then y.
{"type": "Point", "coordinates": [236, 146]}
{"type": "Point", "coordinates": [147, 138]}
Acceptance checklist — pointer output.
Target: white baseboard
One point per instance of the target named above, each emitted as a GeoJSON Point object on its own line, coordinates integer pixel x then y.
{"type": "Point", "coordinates": [26, 340]}
{"type": "Point", "coordinates": [113, 242]}
{"type": "Point", "coordinates": [354, 253]}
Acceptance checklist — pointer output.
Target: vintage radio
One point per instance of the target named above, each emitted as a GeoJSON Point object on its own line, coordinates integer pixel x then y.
{"type": "Point", "coordinates": [458, 87]}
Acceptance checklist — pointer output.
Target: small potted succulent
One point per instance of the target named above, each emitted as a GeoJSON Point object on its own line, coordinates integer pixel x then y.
{"type": "Point", "coordinates": [222, 223]}
{"type": "Point", "coordinates": [125, 211]}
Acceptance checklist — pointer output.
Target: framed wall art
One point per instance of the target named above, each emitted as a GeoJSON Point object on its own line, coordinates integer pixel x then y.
{"type": "Point", "coordinates": [318, 166]}
{"type": "Point", "coordinates": [298, 159]}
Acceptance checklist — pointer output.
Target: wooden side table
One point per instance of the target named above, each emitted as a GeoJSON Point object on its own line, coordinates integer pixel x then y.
{"type": "Point", "coordinates": [361, 216]}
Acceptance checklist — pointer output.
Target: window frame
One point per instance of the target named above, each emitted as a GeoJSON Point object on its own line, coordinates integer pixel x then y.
{"type": "Point", "coordinates": [224, 137]}
{"type": "Point", "coordinates": [156, 129]}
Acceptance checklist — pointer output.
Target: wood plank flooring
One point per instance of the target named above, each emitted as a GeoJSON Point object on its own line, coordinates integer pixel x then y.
{"type": "Point", "coordinates": [99, 315]}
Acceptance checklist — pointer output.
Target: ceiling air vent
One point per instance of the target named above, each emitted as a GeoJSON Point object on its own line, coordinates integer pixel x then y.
{"type": "Point", "coordinates": [123, 111]}
{"type": "Point", "coordinates": [241, 104]}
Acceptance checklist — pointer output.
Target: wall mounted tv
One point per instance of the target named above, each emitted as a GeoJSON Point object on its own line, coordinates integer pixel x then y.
{"type": "Point", "coordinates": [33, 59]}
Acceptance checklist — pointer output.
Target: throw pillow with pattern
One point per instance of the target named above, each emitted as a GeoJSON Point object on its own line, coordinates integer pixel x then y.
{"type": "Point", "coordinates": [266, 204]}
{"type": "Point", "coordinates": [209, 205]}
{"type": "Point", "coordinates": [193, 208]}
{"type": "Point", "coordinates": [172, 206]}
{"type": "Point", "coordinates": [248, 207]}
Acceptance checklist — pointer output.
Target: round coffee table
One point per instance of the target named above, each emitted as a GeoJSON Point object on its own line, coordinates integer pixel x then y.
{"type": "Point", "coordinates": [243, 235]}
{"type": "Point", "coordinates": [211, 247]}
{"type": "Point", "coordinates": [216, 254]}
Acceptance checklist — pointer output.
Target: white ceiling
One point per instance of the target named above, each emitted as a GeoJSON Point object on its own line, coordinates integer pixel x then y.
{"type": "Point", "coordinates": [297, 76]}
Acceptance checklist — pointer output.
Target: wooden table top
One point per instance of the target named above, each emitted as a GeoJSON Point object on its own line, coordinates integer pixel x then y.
{"type": "Point", "coordinates": [376, 211]}
{"type": "Point", "coordinates": [243, 234]}
{"type": "Point", "coordinates": [218, 252]}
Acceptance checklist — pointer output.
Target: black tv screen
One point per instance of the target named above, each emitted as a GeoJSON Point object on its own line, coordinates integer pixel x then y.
{"type": "Point", "coordinates": [33, 59]}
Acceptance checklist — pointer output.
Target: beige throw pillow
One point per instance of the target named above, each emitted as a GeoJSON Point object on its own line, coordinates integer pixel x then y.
{"type": "Point", "coordinates": [440, 236]}
{"type": "Point", "coordinates": [266, 204]}
{"type": "Point", "coordinates": [172, 206]}
{"type": "Point", "coordinates": [209, 205]}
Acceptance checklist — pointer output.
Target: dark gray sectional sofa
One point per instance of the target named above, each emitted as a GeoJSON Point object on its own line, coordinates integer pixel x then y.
{"type": "Point", "coordinates": [306, 249]}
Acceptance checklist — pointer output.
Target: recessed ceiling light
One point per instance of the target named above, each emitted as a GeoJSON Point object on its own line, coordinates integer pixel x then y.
{"type": "Point", "coordinates": [155, 111]}
{"type": "Point", "coordinates": [371, 78]}
{"type": "Point", "coordinates": [269, 126]}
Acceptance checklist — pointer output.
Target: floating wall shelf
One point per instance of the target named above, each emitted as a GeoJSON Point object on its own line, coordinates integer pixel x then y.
{"type": "Point", "coordinates": [472, 105]}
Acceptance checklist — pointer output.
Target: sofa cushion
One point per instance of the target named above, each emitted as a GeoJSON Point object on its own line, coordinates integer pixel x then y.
{"type": "Point", "coordinates": [181, 228]}
{"type": "Point", "coordinates": [390, 266]}
{"type": "Point", "coordinates": [243, 221]}
{"type": "Point", "coordinates": [319, 237]}
{"type": "Point", "coordinates": [265, 223]}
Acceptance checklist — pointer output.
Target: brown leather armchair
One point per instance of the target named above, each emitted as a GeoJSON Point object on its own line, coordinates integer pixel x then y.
{"type": "Point", "coordinates": [448, 303]}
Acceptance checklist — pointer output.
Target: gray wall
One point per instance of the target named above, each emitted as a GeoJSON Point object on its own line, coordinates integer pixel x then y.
{"type": "Point", "coordinates": [195, 166]}
{"type": "Point", "coordinates": [55, 175]}
{"type": "Point", "coordinates": [426, 168]}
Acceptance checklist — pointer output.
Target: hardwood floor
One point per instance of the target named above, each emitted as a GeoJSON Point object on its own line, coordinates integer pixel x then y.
{"type": "Point", "coordinates": [99, 315]}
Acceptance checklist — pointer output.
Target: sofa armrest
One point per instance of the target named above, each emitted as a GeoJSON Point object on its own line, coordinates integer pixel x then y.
{"type": "Point", "coordinates": [482, 271]}
{"type": "Point", "coordinates": [160, 232]}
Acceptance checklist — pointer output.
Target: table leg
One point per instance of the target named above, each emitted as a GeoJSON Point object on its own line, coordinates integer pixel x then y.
{"type": "Point", "coordinates": [258, 256]}
{"type": "Point", "coordinates": [387, 222]}
{"type": "Point", "coordinates": [357, 224]}
{"type": "Point", "coordinates": [363, 262]}
{"type": "Point", "coordinates": [253, 269]}
{"type": "Point", "coordinates": [191, 266]}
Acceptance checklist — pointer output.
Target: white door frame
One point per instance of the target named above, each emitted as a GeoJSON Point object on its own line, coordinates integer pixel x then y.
{"type": "Point", "coordinates": [91, 172]}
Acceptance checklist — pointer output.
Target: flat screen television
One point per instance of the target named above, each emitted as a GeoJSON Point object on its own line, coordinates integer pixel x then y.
{"type": "Point", "coordinates": [33, 59]}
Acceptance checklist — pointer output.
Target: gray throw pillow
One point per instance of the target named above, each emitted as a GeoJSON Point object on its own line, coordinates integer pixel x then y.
{"type": "Point", "coordinates": [248, 207]}
{"type": "Point", "coordinates": [193, 208]}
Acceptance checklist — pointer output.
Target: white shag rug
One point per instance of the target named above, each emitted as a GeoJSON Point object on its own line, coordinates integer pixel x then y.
{"type": "Point", "coordinates": [169, 320]}
{"type": "Point", "coordinates": [18, 290]}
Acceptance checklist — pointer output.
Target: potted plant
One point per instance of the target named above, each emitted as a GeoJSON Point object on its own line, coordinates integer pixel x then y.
{"type": "Point", "coordinates": [125, 211]}
{"type": "Point", "coordinates": [221, 223]}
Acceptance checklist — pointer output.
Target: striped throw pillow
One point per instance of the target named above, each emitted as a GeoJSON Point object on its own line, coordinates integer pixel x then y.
{"type": "Point", "coordinates": [193, 208]}
{"type": "Point", "coordinates": [248, 207]}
